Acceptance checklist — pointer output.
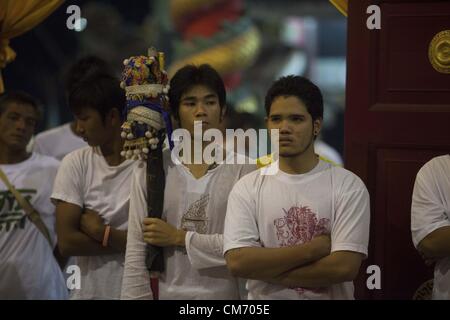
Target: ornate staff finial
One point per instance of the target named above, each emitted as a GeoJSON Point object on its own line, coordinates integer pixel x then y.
{"type": "Point", "coordinates": [147, 113]}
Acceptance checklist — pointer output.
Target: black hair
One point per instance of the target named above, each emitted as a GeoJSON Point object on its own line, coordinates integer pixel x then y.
{"type": "Point", "coordinates": [191, 75]}
{"type": "Point", "coordinates": [84, 68]}
{"type": "Point", "coordinates": [20, 97]}
{"type": "Point", "coordinates": [299, 87]}
{"type": "Point", "coordinates": [100, 92]}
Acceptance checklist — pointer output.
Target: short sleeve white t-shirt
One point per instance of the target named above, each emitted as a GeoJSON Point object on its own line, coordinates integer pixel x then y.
{"type": "Point", "coordinates": [86, 180]}
{"type": "Point", "coordinates": [57, 142]}
{"type": "Point", "coordinates": [28, 269]}
{"type": "Point", "coordinates": [199, 206]}
{"type": "Point", "coordinates": [430, 210]}
{"type": "Point", "coordinates": [283, 210]}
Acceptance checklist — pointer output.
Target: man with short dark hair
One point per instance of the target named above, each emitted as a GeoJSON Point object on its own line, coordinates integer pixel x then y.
{"type": "Point", "coordinates": [59, 141]}
{"type": "Point", "coordinates": [28, 269]}
{"type": "Point", "coordinates": [278, 227]}
{"type": "Point", "coordinates": [195, 200]}
{"type": "Point", "coordinates": [92, 189]}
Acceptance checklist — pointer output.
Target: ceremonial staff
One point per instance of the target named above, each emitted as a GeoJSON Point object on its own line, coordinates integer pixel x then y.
{"type": "Point", "coordinates": [147, 122]}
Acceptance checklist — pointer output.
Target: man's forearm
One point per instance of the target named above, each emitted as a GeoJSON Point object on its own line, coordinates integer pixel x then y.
{"type": "Point", "coordinates": [267, 263]}
{"type": "Point", "coordinates": [332, 269]}
{"type": "Point", "coordinates": [80, 244]}
{"type": "Point", "coordinates": [436, 245]}
{"type": "Point", "coordinates": [117, 239]}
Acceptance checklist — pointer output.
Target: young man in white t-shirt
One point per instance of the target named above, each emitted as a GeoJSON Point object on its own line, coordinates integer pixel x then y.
{"type": "Point", "coordinates": [195, 200]}
{"type": "Point", "coordinates": [92, 190]}
{"type": "Point", "coordinates": [430, 220]}
{"type": "Point", "coordinates": [28, 269]}
{"type": "Point", "coordinates": [278, 227]}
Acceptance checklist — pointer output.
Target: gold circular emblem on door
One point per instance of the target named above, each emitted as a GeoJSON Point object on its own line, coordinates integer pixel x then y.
{"type": "Point", "coordinates": [439, 52]}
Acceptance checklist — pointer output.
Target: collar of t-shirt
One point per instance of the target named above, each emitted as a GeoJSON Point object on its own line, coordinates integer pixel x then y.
{"type": "Point", "coordinates": [98, 153]}
{"type": "Point", "coordinates": [304, 177]}
{"type": "Point", "coordinates": [19, 165]}
{"type": "Point", "coordinates": [212, 167]}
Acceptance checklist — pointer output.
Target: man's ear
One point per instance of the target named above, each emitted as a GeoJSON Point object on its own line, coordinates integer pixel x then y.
{"type": "Point", "coordinates": [223, 112]}
{"type": "Point", "coordinates": [317, 126]}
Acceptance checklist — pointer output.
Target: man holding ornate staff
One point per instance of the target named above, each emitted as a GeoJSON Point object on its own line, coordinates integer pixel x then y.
{"type": "Point", "coordinates": [195, 199]}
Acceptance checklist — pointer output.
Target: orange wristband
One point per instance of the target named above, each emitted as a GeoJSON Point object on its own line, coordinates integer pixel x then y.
{"type": "Point", "coordinates": [106, 236]}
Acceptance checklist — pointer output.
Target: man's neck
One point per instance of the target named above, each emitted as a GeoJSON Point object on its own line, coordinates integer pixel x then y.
{"type": "Point", "coordinates": [198, 170]}
{"type": "Point", "coordinates": [300, 164]}
{"type": "Point", "coordinates": [111, 150]}
{"type": "Point", "coordinates": [199, 149]}
{"type": "Point", "coordinates": [12, 156]}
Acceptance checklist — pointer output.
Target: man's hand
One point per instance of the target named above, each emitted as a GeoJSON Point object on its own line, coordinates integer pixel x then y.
{"type": "Point", "coordinates": [159, 233]}
{"type": "Point", "coordinates": [322, 245]}
{"type": "Point", "coordinates": [92, 224]}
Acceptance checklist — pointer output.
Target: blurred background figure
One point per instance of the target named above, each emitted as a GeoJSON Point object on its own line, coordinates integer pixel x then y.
{"type": "Point", "coordinates": [29, 255]}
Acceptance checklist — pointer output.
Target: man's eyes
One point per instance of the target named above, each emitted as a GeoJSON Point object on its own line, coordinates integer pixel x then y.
{"type": "Point", "coordinates": [295, 119]}
{"type": "Point", "coordinates": [193, 104]}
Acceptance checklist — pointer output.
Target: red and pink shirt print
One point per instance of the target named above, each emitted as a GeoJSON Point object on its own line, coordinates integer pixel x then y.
{"type": "Point", "coordinates": [300, 225]}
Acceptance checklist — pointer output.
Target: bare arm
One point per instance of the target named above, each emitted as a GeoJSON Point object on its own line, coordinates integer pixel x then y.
{"type": "Point", "coordinates": [338, 267]}
{"type": "Point", "coordinates": [71, 240]}
{"type": "Point", "coordinates": [267, 263]}
{"type": "Point", "coordinates": [436, 245]}
{"type": "Point", "coordinates": [92, 224]}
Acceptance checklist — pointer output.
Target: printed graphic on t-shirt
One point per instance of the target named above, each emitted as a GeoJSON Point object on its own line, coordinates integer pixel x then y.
{"type": "Point", "coordinates": [195, 218]}
{"type": "Point", "coordinates": [300, 225]}
{"type": "Point", "coordinates": [12, 215]}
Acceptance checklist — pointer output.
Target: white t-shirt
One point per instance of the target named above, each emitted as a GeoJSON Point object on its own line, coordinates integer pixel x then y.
{"type": "Point", "coordinates": [86, 180]}
{"type": "Point", "coordinates": [57, 142]}
{"type": "Point", "coordinates": [199, 205]}
{"type": "Point", "coordinates": [283, 210]}
{"type": "Point", "coordinates": [28, 269]}
{"type": "Point", "coordinates": [430, 210]}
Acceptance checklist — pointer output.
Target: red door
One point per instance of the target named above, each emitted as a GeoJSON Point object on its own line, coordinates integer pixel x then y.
{"type": "Point", "coordinates": [397, 118]}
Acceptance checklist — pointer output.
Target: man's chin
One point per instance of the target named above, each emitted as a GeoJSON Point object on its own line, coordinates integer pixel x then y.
{"type": "Point", "coordinates": [289, 153]}
{"type": "Point", "coordinates": [19, 146]}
